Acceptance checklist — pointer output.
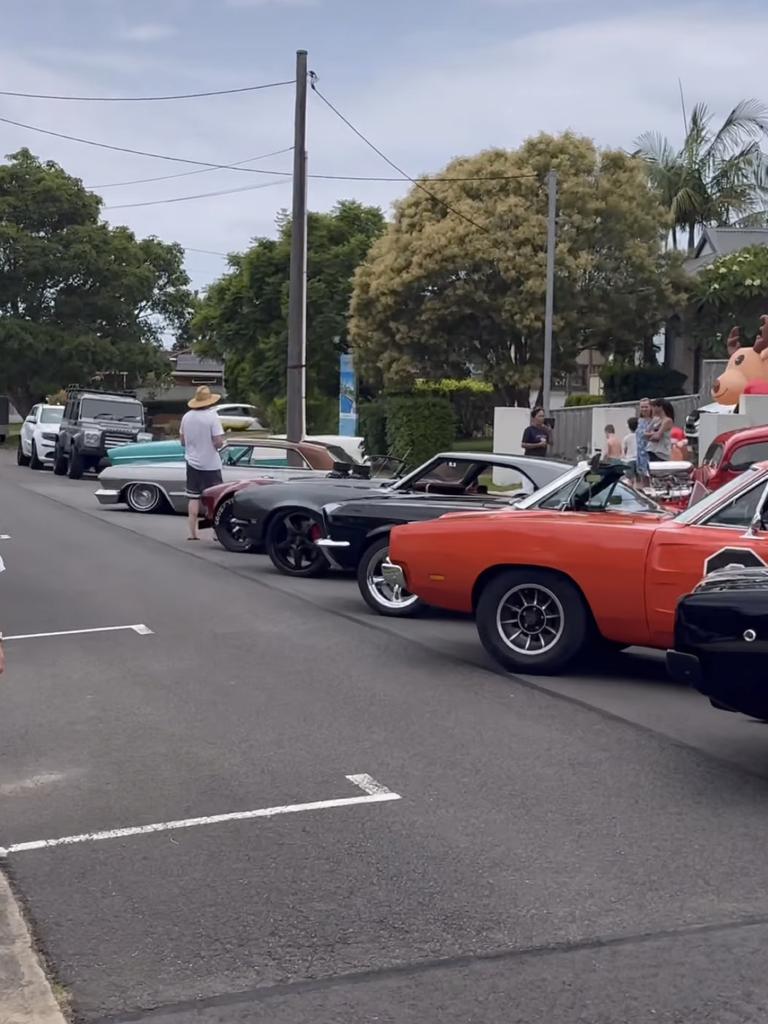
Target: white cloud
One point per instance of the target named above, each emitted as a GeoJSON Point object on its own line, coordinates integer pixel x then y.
{"type": "Point", "coordinates": [149, 32]}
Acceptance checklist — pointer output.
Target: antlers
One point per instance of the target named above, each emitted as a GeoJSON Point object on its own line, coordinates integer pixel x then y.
{"type": "Point", "coordinates": [761, 341]}
{"type": "Point", "coordinates": [734, 340]}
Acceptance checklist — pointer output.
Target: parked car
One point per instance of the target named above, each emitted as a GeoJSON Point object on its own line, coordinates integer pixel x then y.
{"type": "Point", "coordinates": [94, 422]}
{"type": "Point", "coordinates": [287, 519]}
{"type": "Point", "coordinates": [159, 486]}
{"type": "Point", "coordinates": [585, 564]}
{"type": "Point", "coordinates": [721, 635]}
{"type": "Point", "coordinates": [173, 451]}
{"type": "Point", "coordinates": [239, 417]}
{"type": "Point", "coordinates": [730, 454]}
{"type": "Point", "coordinates": [37, 438]}
{"type": "Point", "coordinates": [356, 530]}
{"type": "Point", "coordinates": [692, 420]}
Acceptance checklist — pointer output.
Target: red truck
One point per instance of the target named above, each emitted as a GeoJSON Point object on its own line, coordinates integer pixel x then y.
{"type": "Point", "coordinates": [730, 454]}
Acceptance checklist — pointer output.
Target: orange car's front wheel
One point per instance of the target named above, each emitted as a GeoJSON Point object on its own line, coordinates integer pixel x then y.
{"type": "Point", "coordinates": [532, 620]}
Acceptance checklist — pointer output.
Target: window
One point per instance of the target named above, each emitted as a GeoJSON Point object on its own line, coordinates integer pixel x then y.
{"type": "Point", "coordinates": [748, 454]}
{"type": "Point", "coordinates": [714, 455]}
{"type": "Point", "coordinates": [740, 511]}
{"type": "Point", "coordinates": [50, 414]}
{"type": "Point", "coordinates": [110, 409]}
{"type": "Point", "coordinates": [32, 417]}
{"type": "Point", "coordinates": [495, 479]}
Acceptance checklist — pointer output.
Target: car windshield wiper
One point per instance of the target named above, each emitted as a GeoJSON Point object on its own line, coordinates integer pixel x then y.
{"type": "Point", "coordinates": [134, 419]}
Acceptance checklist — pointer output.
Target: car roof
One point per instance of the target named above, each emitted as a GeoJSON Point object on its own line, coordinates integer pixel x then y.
{"type": "Point", "coordinates": [501, 458]}
{"type": "Point", "coordinates": [745, 434]}
{"type": "Point", "coordinates": [108, 394]}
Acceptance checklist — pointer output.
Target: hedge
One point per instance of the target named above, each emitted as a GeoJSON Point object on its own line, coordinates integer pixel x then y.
{"type": "Point", "coordinates": [419, 426]}
{"type": "Point", "coordinates": [573, 400]}
{"type": "Point", "coordinates": [630, 383]}
{"type": "Point", "coordinates": [472, 401]}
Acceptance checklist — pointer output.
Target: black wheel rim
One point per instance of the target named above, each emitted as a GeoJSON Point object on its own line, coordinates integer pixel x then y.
{"type": "Point", "coordinates": [234, 532]}
{"type": "Point", "coordinates": [293, 546]}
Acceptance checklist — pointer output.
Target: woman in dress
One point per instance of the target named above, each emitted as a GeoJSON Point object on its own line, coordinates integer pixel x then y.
{"type": "Point", "coordinates": [641, 435]}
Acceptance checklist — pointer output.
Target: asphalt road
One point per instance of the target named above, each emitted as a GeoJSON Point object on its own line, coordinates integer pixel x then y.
{"type": "Point", "coordinates": [583, 849]}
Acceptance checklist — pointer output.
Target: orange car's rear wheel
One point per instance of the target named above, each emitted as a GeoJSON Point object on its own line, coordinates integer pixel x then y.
{"type": "Point", "coordinates": [532, 620]}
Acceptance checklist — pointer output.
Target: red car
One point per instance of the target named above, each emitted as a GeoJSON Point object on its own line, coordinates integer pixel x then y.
{"type": "Point", "coordinates": [730, 454]}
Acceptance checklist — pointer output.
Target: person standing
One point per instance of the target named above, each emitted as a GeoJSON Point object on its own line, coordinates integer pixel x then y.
{"type": "Point", "coordinates": [612, 445]}
{"type": "Point", "coordinates": [201, 435]}
{"type": "Point", "coordinates": [659, 436]}
{"type": "Point", "coordinates": [537, 437]}
{"type": "Point", "coordinates": [641, 437]}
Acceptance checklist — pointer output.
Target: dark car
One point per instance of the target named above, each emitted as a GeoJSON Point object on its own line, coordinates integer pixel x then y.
{"type": "Point", "coordinates": [721, 637]}
{"type": "Point", "coordinates": [286, 518]}
{"type": "Point", "coordinates": [94, 421]}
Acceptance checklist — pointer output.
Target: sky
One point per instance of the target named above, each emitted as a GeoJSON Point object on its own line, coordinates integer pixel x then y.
{"type": "Point", "coordinates": [425, 80]}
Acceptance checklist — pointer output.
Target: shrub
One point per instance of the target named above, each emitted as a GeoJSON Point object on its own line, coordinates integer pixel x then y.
{"type": "Point", "coordinates": [573, 400]}
{"type": "Point", "coordinates": [322, 416]}
{"type": "Point", "coordinates": [373, 426]}
{"type": "Point", "coordinates": [630, 383]}
{"type": "Point", "coordinates": [419, 426]}
{"type": "Point", "coordinates": [472, 401]}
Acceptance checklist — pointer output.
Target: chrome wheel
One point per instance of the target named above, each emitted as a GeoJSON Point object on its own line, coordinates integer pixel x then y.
{"type": "Point", "coordinates": [143, 497]}
{"type": "Point", "coordinates": [391, 597]}
{"type": "Point", "coordinates": [530, 619]}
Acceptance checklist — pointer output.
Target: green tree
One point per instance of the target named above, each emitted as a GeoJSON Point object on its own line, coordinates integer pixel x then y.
{"type": "Point", "coordinates": [77, 297]}
{"type": "Point", "coordinates": [244, 315]}
{"type": "Point", "coordinates": [732, 290]}
{"type": "Point", "coordinates": [450, 290]}
{"type": "Point", "coordinates": [718, 177]}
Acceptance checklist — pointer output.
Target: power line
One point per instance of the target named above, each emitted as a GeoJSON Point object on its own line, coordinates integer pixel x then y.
{"type": "Point", "coordinates": [144, 99]}
{"type": "Point", "coordinates": [206, 252]}
{"type": "Point", "coordinates": [235, 165]}
{"type": "Point", "coordinates": [392, 164]}
{"type": "Point", "coordinates": [200, 195]}
{"type": "Point", "coordinates": [209, 165]}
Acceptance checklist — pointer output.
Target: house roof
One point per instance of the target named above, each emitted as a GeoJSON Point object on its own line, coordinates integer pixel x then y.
{"type": "Point", "coordinates": [187, 362]}
{"type": "Point", "coordinates": [716, 242]}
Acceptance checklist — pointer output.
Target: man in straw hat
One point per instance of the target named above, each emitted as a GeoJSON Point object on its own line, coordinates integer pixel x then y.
{"type": "Point", "coordinates": [202, 435]}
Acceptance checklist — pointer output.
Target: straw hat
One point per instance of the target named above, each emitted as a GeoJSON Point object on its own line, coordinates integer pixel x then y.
{"type": "Point", "coordinates": [203, 398]}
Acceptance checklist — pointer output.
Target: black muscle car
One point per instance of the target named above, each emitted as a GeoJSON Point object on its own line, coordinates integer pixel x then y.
{"type": "Point", "coordinates": [721, 639]}
{"type": "Point", "coordinates": [286, 518]}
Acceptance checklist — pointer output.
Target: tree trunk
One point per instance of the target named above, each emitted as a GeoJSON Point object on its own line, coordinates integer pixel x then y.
{"type": "Point", "coordinates": [691, 239]}
{"type": "Point", "coordinates": [674, 237]}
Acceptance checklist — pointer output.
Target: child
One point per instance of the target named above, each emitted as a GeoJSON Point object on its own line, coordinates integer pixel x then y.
{"type": "Point", "coordinates": [629, 446]}
{"type": "Point", "coordinates": [612, 446]}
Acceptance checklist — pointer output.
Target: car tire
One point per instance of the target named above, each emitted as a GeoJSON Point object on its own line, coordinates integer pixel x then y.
{"type": "Point", "coordinates": [144, 497]}
{"type": "Point", "coordinates": [376, 593]}
{"type": "Point", "coordinates": [35, 462]}
{"type": "Point", "coordinates": [76, 466]}
{"type": "Point", "coordinates": [60, 462]}
{"type": "Point", "coordinates": [290, 543]}
{"type": "Point", "coordinates": [21, 458]}
{"type": "Point", "coordinates": [532, 620]}
{"type": "Point", "coordinates": [227, 533]}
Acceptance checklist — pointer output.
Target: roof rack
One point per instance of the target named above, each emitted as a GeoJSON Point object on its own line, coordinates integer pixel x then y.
{"type": "Point", "coordinates": [96, 389]}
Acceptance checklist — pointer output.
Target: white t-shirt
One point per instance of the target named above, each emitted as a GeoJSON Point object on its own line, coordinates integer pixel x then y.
{"type": "Point", "coordinates": [630, 446]}
{"type": "Point", "coordinates": [198, 428]}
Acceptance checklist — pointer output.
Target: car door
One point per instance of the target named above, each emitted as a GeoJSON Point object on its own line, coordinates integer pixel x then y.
{"type": "Point", "coordinates": [682, 553]}
{"type": "Point", "coordinates": [28, 429]}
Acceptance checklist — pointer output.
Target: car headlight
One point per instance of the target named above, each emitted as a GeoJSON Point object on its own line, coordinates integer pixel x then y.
{"type": "Point", "coordinates": [143, 437]}
{"type": "Point", "coordinates": [92, 438]}
{"type": "Point", "coordinates": [49, 437]}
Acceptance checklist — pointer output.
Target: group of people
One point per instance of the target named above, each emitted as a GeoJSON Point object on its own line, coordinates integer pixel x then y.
{"type": "Point", "coordinates": [651, 437]}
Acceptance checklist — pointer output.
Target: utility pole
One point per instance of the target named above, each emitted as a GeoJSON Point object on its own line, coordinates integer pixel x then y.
{"type": "Point", "coordinates": [297, 298]}
{"type": "Point", "coordinates": [546, 384]}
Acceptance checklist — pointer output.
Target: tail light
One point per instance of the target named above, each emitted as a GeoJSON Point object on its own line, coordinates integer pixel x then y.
{"type": "Point", "coordinates": [315, 533]}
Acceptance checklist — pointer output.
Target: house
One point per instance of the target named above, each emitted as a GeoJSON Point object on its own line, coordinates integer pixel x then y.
{"type": "Point", "coordinates": [188, 372]}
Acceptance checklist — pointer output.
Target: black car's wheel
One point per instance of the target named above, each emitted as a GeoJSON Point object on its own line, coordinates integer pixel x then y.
{"type": "Point", "coordinates": [229, 534]}
{"type": "Point", "coordinates": [377, 593]}
{"type": "Point", "coordinates": [144, 497]}
{"type": "Point", "coordinates": [532, 620]}
{"type": "Point", "coordinates": [60, 462]}
{"type": "Point", "coordinates": [35, 462]}
{"type": "Point", "coordinates": [290, 543]}
{"type": "Point", "coordinates": [76, 466]}
{"type": "Point", "coordinates": [21, 458]}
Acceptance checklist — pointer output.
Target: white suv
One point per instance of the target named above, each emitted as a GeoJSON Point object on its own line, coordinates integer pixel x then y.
{"type": "Point", "coordinates": [37, 438]}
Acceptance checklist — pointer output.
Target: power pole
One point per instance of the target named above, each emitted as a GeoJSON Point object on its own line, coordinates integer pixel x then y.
{"type": "Point", "coordinates": [297, 307]}
{"type": "Point", "coordinates": [546, 386]}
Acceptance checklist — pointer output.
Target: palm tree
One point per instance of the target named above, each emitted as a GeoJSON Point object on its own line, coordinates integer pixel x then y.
{"type": "Point", "coordinates": [717, 177]}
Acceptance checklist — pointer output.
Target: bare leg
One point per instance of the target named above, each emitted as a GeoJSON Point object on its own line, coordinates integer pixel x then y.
{"type": "Point", "coordinates": [193, 511]}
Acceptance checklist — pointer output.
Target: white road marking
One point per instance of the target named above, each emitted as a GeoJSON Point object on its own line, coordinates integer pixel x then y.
{"type": "Point", "coordinates": [5, 536]}
{"type": "Point", "coordinates": [139, 628]}
{"type": "Point", "coordinates": [375, 793]}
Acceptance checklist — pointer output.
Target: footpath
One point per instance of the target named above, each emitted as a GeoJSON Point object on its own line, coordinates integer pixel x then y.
{"type": "Point", "coordinates": [26, 996]}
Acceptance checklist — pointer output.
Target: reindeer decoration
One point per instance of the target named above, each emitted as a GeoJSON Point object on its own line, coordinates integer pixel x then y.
{"type": "Point", "coordinates": [747, 369]}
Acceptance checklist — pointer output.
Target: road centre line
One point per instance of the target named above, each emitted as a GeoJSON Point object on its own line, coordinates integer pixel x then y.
{"type": "Point", "coordinates": [138, 627]}
{"type": "Point", "coordinates": [375, 793]}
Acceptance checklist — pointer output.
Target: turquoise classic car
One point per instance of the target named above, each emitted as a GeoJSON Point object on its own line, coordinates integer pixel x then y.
{"type": "Point", "coordinates": [155, 452]}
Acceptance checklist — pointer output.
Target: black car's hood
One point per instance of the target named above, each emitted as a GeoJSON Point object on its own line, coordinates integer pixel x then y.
{"type": "Point", "coordinates": [253, 502]}
{"type": "Point", "coordinates": [368, 504]}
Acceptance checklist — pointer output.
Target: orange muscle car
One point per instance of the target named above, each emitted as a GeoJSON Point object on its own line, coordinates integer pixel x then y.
{"type": "Point", "coordinates": [544, 583]}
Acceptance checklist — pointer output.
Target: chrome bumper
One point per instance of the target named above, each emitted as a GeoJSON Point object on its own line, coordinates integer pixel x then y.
{"type": "Point", "coordinates": [393, 575]}
{"type": "Point", "coordinates": [107, 497]}
{"type": "Point", "coordinates": [326, 542]}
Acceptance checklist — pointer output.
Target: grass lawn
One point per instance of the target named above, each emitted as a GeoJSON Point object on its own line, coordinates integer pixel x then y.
{"type": "Point", "coordinates": [477, 444]}
{"type": "Point", "coordinates": [12, 437]}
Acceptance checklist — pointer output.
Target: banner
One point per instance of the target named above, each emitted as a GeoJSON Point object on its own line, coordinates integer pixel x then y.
{"type": "Point", "coordinates": [347, 397]}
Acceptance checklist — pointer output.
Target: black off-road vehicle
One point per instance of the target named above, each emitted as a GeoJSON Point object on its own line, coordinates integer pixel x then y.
{"type": "Point", "coordinates": [93, 422]}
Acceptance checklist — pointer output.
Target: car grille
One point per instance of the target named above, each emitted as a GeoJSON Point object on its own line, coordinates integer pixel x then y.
{"type": "Point", "coordinates": [115, 440]}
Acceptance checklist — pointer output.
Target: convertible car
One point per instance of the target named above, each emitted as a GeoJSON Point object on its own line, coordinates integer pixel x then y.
{"type": "Point", "coordinates": [155, 487]}
{"type": "Point", "coordinates": [286, 519]}
{"type": "Point", "coordinates": [582, 566]}
{"type": "Point", "coordinates": [356, 530]}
